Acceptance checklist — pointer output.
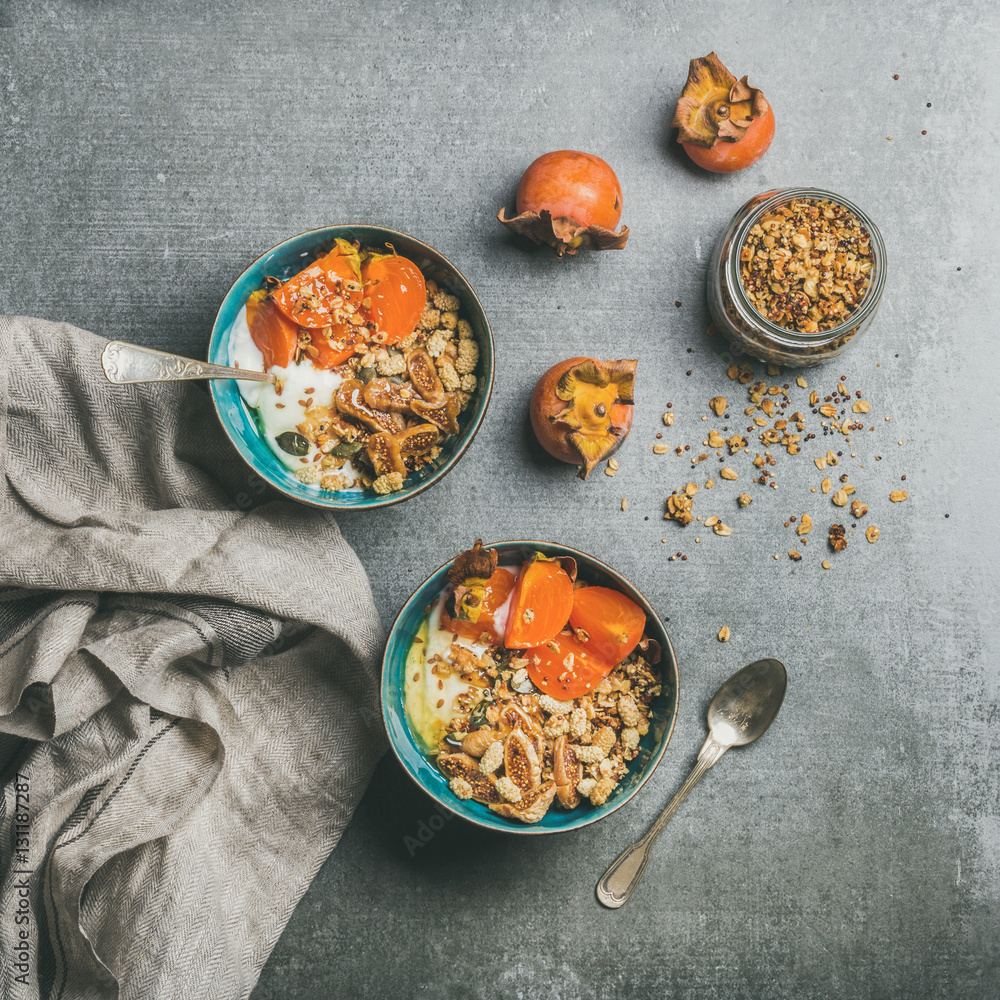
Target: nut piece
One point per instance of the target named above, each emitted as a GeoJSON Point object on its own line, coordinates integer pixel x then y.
{"type": "Point", "coordinates": [840, 498]}
{"type": "Point", "coordinates": [724, 634]}
{"type": "Point", "coordinates": [825, 565]}
{"type": "Point", "coordinates": [872, 533]}
{"type": "Point", "coordinates": [718, 405]}
{"type": "Point", "coordinates": [728, 473]}
{"type": "Point", "coordinates": [858, 509]}
{"type": "Point", "coordinates": [744, 499]}
{"type": "Point", "coordinates": [898, 496]}
{"type": "Point", "coordinates": [668, 419]}
{"type": "Point", "coordinates": [836, 537]}
{"type": "Point", "coordinates": [805, 525]}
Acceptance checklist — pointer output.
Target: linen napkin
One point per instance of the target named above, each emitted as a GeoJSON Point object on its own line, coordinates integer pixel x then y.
{"type": "Point", "coordinates": [188, 686]}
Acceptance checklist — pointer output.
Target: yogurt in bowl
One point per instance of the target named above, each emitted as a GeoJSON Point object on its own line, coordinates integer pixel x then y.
{"type": "Point", "coordinates": [374, 406]}
{"type": "Point", "coordinates": [528, 739]}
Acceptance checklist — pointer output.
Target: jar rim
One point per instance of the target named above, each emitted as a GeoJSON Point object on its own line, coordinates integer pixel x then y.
{"type": "Point", "coordinates": [752, 212]}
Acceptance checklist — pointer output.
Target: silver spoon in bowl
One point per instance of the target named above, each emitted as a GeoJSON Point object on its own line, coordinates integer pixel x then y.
{"type": "Point", "coordinates": [124, 363]}
{"type": "Point", "coordinates": [740, 712]}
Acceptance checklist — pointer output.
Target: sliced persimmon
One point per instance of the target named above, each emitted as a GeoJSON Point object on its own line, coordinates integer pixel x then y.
{"type": "Point", "coordinates": [541, 603]}
{"type": "Point", "coordinates": [326, 291]}
{"type": "Point", "coordinates": [495, 593]}
{"type": "Point", "coordinates": [274, 334]}
{"type": "Point", "coordinates": [610, 623]}
{"type": "Point", "coordinates": [334, 345]}
{"type": "Point", "coordinates": [395, 293]}
{"type": "Point", "coordinates": [565, 668]}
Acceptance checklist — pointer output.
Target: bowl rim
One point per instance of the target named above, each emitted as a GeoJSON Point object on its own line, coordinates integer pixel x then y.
{"type": "Point", "coordinates": [470, 431]}
{"type": "Point", "coordinates": [666, 653]}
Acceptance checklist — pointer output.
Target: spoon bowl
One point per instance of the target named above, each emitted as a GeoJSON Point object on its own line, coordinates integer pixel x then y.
{"type": "Point", "coordinates": [747, 703]}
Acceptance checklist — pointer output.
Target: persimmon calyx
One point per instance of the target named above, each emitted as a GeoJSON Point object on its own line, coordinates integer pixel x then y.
{"type": "Point", "coordinates": [563, 233]}
{"type": "Point", "coordinates": [591, 390]}
{"type": "Point", "coordinates": [568, 563]}
{"type": "Point", "coordinates": [470, 573]}
{"type": "Point", "coordinates": [714, 106]}
{"type": "Point", "coordinates": [352, 253]}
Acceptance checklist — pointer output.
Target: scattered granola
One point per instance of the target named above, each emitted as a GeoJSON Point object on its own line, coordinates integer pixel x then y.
{"type": "Point", "coordinates": [836, 537]}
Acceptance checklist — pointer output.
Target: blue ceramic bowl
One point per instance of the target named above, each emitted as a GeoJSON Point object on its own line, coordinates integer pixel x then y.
{"type": "Point", "coordinates": [422, 769]}
{"type": "Point", "coordinates": [287, 259]}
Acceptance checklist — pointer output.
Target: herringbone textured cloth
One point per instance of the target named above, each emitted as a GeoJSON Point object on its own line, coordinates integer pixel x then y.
{"type": "Point", "coordinates": [188, 687]}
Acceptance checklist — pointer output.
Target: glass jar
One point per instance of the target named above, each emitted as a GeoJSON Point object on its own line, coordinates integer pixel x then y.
{"type": "Point", "coordinates": [752, 333]}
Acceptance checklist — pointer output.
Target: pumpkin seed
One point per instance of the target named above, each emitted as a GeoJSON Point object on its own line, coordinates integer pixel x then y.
{"type": "Point", "coordinates": [293, 443]}
{"type": "Point", "coordinates": [346, 449]}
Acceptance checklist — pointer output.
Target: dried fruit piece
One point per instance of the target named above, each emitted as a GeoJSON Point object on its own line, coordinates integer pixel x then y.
{"type": "Point", "coordinates": [581, 409]}
{"type": "Point", "coordinates": [349, 400]}
{"type": "Point", "coordinates": [383, 452]}
{"type": "Point", "coordinates": [566, 772]}
{"type": "Point", "coordinates": [384, 394]}
{"type": "Point", "coordinates": [461, 765]}
{"type": "Point", "coordinates": [725, 124]}
{"type": "Point", "coordinates": [568, 200]}
{"type": "Point", "coordinates": [417, 440]}
{"type": "Point", "coordinates": [520, 761]}
{"type": "Point", "coordinates": [444, 415]}
{"type": "Point", "coordinates": [531, 808]}
{"type": "Point", "coordinates": [424, 377]}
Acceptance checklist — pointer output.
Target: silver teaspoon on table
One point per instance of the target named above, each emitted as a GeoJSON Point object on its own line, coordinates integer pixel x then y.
{"type": "Point", "coordinates": [131, 363]}
{"type": "Point", "coordinates": [741, 711]}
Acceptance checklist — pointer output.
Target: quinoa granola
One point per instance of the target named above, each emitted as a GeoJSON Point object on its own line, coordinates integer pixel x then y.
{"type": "Point", "coordinates": [807, 265]}
{"type": "Point", "coordinates": [397, 404]}
{"type": "Point", "coordinates": [519, 751]}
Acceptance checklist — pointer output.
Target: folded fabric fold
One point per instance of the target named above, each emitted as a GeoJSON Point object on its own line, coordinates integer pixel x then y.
{"type": "Point", "coordinates": [188, 685]}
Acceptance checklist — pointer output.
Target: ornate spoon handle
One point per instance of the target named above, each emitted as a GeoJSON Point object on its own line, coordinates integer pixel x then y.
{"type": "Point", "coordinates": [623, 876]}
{"type": "Point", "coordinates": [131, 363]}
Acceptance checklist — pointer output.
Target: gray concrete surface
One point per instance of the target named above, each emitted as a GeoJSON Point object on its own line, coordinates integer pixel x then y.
{"type": "Point", "coordinates": [149, 151]}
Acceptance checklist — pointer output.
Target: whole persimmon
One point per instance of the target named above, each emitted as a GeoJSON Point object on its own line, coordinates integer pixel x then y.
{"type": "Point", "coordinates": [568, 199]}
{"type": "Point", "coordinates": [724, 124]}
{"type": "Point", "coordinates": [581, 409]}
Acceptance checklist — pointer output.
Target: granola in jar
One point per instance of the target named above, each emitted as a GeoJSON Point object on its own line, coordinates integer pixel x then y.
{"type": "Point", "coordinates": [796, 276]}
